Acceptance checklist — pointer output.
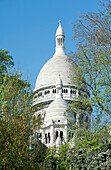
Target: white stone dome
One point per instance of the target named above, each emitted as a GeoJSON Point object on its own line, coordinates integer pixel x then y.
{"type": "Point", "coordinates": [58, 64]}
{"type": "Point", "coordinates": [56, 110]}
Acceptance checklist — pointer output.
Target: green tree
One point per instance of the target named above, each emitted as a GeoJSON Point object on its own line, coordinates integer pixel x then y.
{"type": "Point", "coordinates": [16, 121]}
{"type": "Point", "coordinates": [6, 61]}
{"type": "Point", "coordinates": [15, 117]}
{"type": "Point", "coordinates": [92, 33]}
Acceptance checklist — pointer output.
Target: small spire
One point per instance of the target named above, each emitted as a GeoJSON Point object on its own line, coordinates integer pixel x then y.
{"type": "Point", "coordinates": [59, 22]}
{"type": "Point", "coordinates": [59, 87]}
{"type": "Point", "coordinates": [59, 81]}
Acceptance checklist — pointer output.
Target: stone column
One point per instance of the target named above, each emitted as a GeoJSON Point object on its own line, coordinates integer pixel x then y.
{"type": "Point", "coordinates": [52, 135]}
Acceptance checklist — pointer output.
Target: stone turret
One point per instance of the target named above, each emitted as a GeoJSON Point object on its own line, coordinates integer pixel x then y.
{"type": "Point", "coordinates": [60, 39]}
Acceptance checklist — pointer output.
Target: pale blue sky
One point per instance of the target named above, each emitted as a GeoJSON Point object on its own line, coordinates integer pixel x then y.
{"type": "Point", "coordinates": [27, 29]}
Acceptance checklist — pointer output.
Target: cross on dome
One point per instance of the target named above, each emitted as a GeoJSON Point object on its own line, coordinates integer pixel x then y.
{"type": "Point", "coordinates": [59, 22]}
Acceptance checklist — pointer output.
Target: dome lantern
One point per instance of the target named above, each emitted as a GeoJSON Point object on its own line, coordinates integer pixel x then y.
{"type": "Point", "coordinates": [60, 38]}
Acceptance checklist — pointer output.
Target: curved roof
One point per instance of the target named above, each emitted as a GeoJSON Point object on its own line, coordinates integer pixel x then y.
{"type": "Point", "coordinates": [56, 109]}
{"type": "Point", "coordinates": [48, 75]}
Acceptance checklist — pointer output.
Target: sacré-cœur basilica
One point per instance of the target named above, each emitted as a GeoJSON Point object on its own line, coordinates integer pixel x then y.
{"type": "Point", "coordinates": [53, 92]}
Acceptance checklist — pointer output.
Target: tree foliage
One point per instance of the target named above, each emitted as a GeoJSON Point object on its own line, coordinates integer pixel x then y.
{"type": "Point", "coordinates": [15, 116]}
{"type": "Point", "coordinates": [16, 121]}
{"type": "Point", "coordinates": [92, 76]}
{"type": "Point", "coordinates": [92, 33]}
{"type": "Point", "coordinates": [6, 61]}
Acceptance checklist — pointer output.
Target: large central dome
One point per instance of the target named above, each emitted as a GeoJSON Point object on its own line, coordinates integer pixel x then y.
{"type": "Point", "coordinates": [58, 64]}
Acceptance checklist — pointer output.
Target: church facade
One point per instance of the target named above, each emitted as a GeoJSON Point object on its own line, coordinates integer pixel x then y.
{"type": "Point", "coordinates": [53, 92]}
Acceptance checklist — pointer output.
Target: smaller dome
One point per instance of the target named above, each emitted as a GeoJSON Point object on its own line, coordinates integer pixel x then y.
{"type": "Point", "coordinates": [56, 110]}
{"type": "Point", "coordinates": [60, 30]}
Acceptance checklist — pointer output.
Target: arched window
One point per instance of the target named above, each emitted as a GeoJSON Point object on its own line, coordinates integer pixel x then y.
{"type": "Point", "coordinates": [39, 115]}
{"type": "Point", "coordinates": [56, 134]}
{"type": "Point", "coordinates": [74, 91]}
{"type": "Point", "coordinates": [59, 42]}
{"type": "Point", "coordinates": [46, 138]}
{"type": "Point", "coordinates": [49, 137]}
{"type": "Point", "coordinates": [54, 91]}
{"type": "Point", "coordinates": [46, 92]}
{"type": "Point", "coordinates": [39, 94]}
{"type": "Point", "coordinates": [71, 91]}
{"type": "Point", "coordinates": [61, 136]}
{"type": "Point", "coordinates": [66, 91]}
{"type": "Point", "coordinates": [35, 97]}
